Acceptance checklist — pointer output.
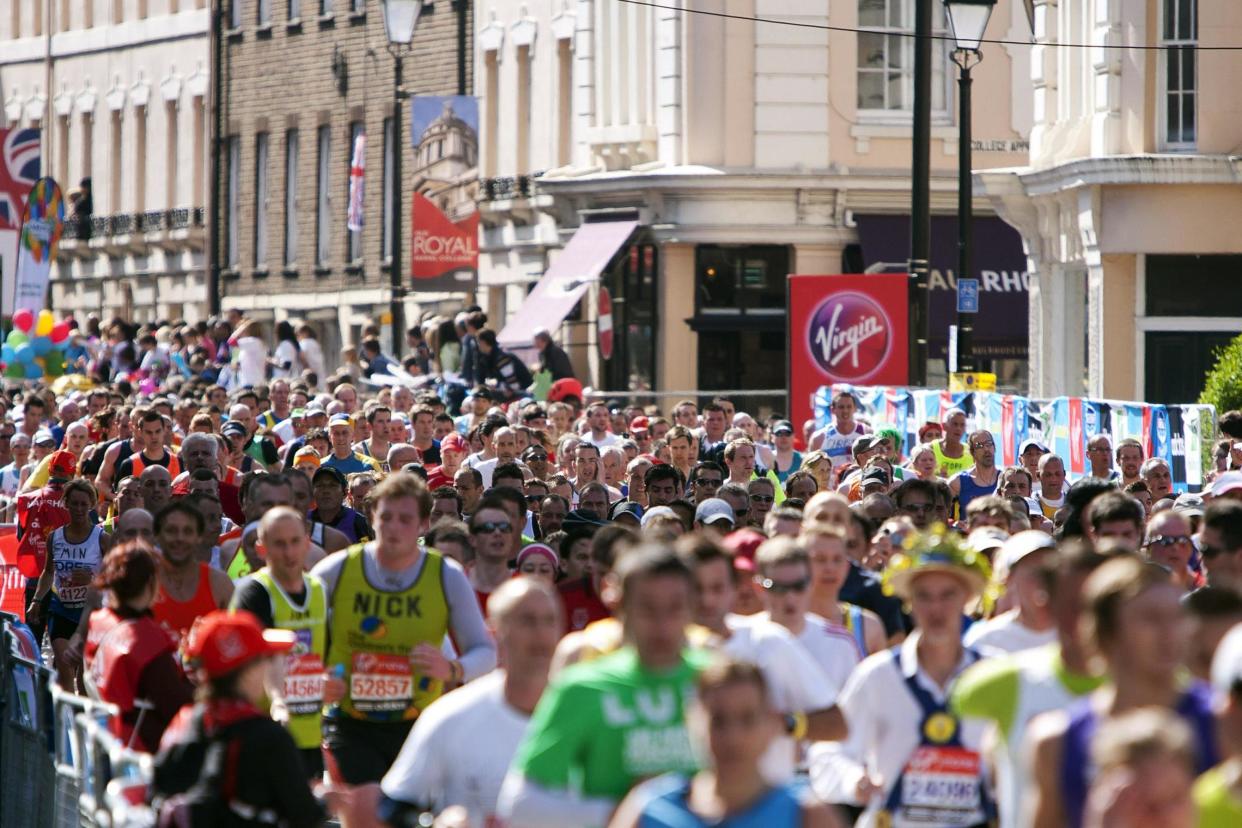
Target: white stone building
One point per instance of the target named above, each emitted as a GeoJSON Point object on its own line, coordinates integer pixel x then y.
{"type": "Point", "coordinates": [119, 89]}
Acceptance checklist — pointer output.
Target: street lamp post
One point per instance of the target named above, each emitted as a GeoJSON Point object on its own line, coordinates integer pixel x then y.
{"type": "Point", "coordinates": [968, 20]}
{"type": "Point", "coordinates": [400, 19]}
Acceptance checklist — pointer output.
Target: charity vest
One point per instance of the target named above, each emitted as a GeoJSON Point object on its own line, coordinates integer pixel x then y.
{"type": "Point", "coordinates": [942, 784]}
{"type": "Point", "coordinates": [69, 596]}
{"type": "Point", "coordinates": [118, 651]}
{"type": "Point", "coordinates": [304, 664]}
{"type": "Point", "coordinates": [372, 633]}
{"type": "Point", "coordinates": [947, 466]}
{"type": "Point", "coordinates": [39, 513]}
{"type": "Point", "coordinates": [140, 463]}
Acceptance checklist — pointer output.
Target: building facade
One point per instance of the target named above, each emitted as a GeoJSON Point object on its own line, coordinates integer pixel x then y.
{"type": "Point", "coordinates": [301, 80]}
{"type": "Point", "coordinates": [1133, 169]}
{"type": "Point", "coordinates": [741, 151]}
{"type": "Point", "coordinates": [119, 90]}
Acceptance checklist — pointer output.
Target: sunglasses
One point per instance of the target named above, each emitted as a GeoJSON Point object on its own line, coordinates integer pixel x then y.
{"type": "Point", "coordinates": [762, 498]}
{"type": "Point", "coordinates": [1210, 552]}
{"type": "Point", "coordinates": [488, 527]}
{"type": "Point", "coordinates": [1167, 540]}
{"type": "Point", "coordinates": [921, 508]}
{"type": "Point", "coordinates": [536, 458]}
{"type": "Point", "coordinates": [707, 481]}
{"type": "Point", "coordinates": [534, 498]}
{"type": "Point", "coordinates": [784, 588]}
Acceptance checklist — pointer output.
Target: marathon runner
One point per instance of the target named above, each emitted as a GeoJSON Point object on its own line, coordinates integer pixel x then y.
{"type": "Point", "coordinates": [189, 589]}
{"type": "Point", "coordinates": [390, 605]}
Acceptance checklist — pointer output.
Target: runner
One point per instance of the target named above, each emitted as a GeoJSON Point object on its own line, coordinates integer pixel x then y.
{"type": "Point", "coordinates": [981, 478]}
{"type": "Point", "coordinates": [75, 554]}
{"type": "Point", "coordinates": [951, 454]}
{"type": "Point", "coordinates": [329, 487]}
{"type": "Point", "coordinates": [735, 711]}
{"type": "Point", "coordinates": [1136, 624]}
{"type": "Point", "coordinates": [440, 766]}
{"type": "Point", "coordinates": [280, 595]}
{"type": "Point", "coordinates": [1030, 623]}
{"type": "Point", "coordinates": [908, 759]}
{"type": "Point", "coordinates": [153, 451]}
{"type": "Point", "coordinates": [1218, 793]}
{"type": "Point", "coordinates": [189, 589]}
{"type": "Point", "coordinates": [39, 513]}
{"type": "Point", "coordinates": [837, 438]}
{"type": "Point", "coordinates": [830, 568]}
{"type": "Point", "coordinates": [604, 724]}
{"type": "Point", "coordinates": [390, 604]}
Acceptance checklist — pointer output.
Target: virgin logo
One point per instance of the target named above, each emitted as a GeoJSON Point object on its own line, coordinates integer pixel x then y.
{"type": "Point", "coordinates": [849, 336]}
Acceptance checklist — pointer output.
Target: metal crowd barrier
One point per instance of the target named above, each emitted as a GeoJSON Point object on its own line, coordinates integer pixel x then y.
{"type": "Point", "coordinates": [59, 765]}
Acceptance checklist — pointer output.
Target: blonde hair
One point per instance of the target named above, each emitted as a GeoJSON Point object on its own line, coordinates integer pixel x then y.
{"type": "Point", "coordinates": [403, 484]}
{"type": "Point", "coordinates": [1137, 736]}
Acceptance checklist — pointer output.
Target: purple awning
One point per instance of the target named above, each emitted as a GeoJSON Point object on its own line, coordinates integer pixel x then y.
{"type": "Point", "coordinates": [560, 288]}
{"type": "Point", "coordinates": [999, 265]}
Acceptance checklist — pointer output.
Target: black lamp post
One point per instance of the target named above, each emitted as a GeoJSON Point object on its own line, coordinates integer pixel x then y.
{"type": "Point", "coordinates": [400, 19]}
{"type": "Point", "coordinates": [968, 20]}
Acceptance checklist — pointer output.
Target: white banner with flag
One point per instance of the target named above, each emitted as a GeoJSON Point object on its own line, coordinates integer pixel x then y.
{"type": "Point", "coordinates": [19, 170]}
{"type": "Point", "coordinates": [357, 183]}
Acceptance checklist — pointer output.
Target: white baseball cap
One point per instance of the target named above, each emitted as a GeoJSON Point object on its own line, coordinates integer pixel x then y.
{"type": "Point", "coordinates": [1022, 544]}
{"type": "Point", "coordinates": [1227, 663]}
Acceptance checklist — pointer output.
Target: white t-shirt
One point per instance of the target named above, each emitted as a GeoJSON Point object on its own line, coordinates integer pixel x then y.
{"type": "Point", "coordinates": [251, 361]}
{"type": "Point", "coordinates": [832, 646]}
{"type": "Point", "coordinates": [837, 445]}
{"type": "Point", "coordinates": [609, 439]}
{"type": "Point", "coordinates": [286, 351]}
{"type": "Point", "coordinates": [1006, 634]}
{"type": "Point", "coordinates": [459, 751]}
{"type": "Point", "coordinates": [795, 681]}
{"type": "Point", "coordinates": [313, 352]}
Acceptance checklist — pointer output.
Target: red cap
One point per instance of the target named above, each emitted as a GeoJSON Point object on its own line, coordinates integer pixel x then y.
{"type": "Point", "coordinates": [743, 543]}
{"type": "Point", "coordinates": [562, 388]}
{"type": "Point", "coordinates": [222, 642]}
{"type": "Point", "coordinates": [453, 442]}
{"type": "Point", "coordinates": [639, 424]}
{"type": "Point", "coordinates": [63, 465]}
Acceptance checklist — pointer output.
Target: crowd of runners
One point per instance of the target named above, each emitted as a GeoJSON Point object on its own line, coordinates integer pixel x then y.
{"type": "Point", "coordinates": [415, 592]}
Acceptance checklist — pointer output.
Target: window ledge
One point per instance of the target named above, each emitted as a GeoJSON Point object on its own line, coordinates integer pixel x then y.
{"type": "Point", "coordinates": [263, 30]}
{"type": "Point", "coordinates": [230, 273]}
{"type": "Point", "coordinates": [386, 265]}
{"type": "Point", "coordinates": [354, 269]}
{"type": "Point", "coordinates": [260, 273]}
{"type": "Point", "coordinates": [289, 272]}
{"type": "Point", "coordinates": [358, 16]}
{"type": "Point", "coordinates": [322, 270]}
{"type": "Point", "coordinates": [328, 19]}
{"type": "Point", "coordinates": [885, 128]}
{"type": "Point", "coordinates": [234, 34]}
{"type": "Point", "coordinates": [294, 25]}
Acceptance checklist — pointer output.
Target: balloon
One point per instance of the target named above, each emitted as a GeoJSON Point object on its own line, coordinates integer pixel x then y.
{"type": "Point", "coordinates": [45, 324]}
{"type": "Point", "coordinates": [7, 354]}
{"type": "Point", "coordinates": [41, 345]}
{"type": "Point", "coordinates": [60, 332]}
{"type": "Point", "coordinates": [25, 353]}
{"type": "Point", "coordinates": [15, 370]}
{"type": "Point", "coordinates": [33, 371]}
{"type": "Point", "coordinates": [16, 338]}
{"type": "Point", "coordinates": [23, 320]}
{"type": "Point", "coordinates": [54, 363]}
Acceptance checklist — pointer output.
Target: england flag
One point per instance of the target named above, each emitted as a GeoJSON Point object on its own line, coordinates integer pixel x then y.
{"type": "Point", "coordinates": [357, 183]}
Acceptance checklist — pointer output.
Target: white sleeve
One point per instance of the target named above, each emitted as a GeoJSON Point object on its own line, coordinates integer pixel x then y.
{"type": "Point", "coordinates": [836, 768]}
{"type": "Point", "coordinates": [526, 804]}
{"type": "Point", "coordinates": [417, 777]}
{"type": "Point", "coordinates": [799, 684]}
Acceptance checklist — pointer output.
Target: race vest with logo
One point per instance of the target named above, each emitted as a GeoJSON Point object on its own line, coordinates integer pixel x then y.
{"type": "Point", "coordinates": [304, 665]}
{"type": "Point", "coordinates": [68, 560]}
{"type": "Point", "coordinates": [373, 631]}
{"type": "Point", "coordinates": [942, 784]}
{"type": "Point", "coordinates": [947, 466]}
{"type": "Point", "coordinates": [140, 463]}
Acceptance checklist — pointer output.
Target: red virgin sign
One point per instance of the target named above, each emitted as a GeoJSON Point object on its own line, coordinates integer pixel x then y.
{"type": "Point", "coordinates": [850, 329]}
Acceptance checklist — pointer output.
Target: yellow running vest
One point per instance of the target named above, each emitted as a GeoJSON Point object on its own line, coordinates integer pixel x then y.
{"type": "Point", "coordinates": [373, 632]}
{"type": "Point", "coordinates": [304, 666]}
{"type": "Point", "coordinates": [948, 466]}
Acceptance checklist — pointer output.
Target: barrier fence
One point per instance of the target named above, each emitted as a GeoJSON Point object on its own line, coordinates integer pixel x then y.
{"type": "Point", "coordinates": [59, 765]}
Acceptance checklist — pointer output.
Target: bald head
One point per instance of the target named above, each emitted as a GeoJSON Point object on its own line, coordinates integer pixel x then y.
{"type": "Point", "coordinates": [134, 524]}
{"type": "Point", "coordinates": [156, 485]}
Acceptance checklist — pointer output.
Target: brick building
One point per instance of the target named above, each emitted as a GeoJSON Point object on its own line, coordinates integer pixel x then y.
{"type": "Point", "coordinates": [300, 79]}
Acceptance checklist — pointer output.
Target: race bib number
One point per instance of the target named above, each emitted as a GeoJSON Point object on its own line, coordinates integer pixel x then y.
{"type": "Point", "coordinates": [304, 683]}
{"type": "Point", "coordinates": [942, 786]}
{"type": "Point", "coordinates": [381, 682]}
{"type": "Point", "coordinates": [71, 594]}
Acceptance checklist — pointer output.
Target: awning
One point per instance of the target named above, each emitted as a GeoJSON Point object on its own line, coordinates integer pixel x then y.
{"type": "Point", "coordinates": [562, 285]}
{"type": "Point", "coordinates": [999, 265]}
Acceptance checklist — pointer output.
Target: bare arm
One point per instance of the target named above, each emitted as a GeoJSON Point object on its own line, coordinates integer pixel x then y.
{"type": "Point", "coordinates": [103, 480]}
{"type": "Point", "coordinates": [221, 587]}
{"type": "Point", "coordinates": [873, 632]}
{"type": "Point", "coordinates": [819, 815]}
{"type": "Point", "coordinates": [826, 725]}
{"type": "Point", "coordinates": [334, 540]}
{"type": "Point", "coordinates": [1046, 735]}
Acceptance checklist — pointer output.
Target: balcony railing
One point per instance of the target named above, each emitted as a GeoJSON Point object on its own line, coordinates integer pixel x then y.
{"type": "Point", "coordinates": [508, 188]}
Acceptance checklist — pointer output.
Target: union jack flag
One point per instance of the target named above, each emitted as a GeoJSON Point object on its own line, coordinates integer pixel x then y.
{"type": "Point", "coordinates": [357, 183]}
{"type": "Point", "coordinates": [19, 170]}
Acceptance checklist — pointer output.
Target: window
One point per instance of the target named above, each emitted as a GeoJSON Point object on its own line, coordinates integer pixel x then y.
{"type": "Point", "coordinates": [295, 9]}
{"type": "Point", "coordinates": [354, 240]}
{"type": "Point", "coordinates": [357, 6]}
{"type": "Point", "coordinates": [232, 256]}
{"type": "Point", "coordinates": [1179, 73]}
{"type": "Point", "coordinates": [88, 145]}
{"type": "Point", "coordinates": [886, 58]}
{"type": "Point", "coordinates": [386, 234]}
{"type": "Point", "coordinates": [62, 152]}
{"type": "Point", "coordinates": [323, 216]}
{"type": "Point", "coordinates": [260, 200]}
{"type": "Point", "coordinates": [291, 198]}
{"type": "Point", "coordinates": [235, 14]}
{"type": "Point", "coordinates": [172, 169]}
{"type": "Point", "coordinates": [564, 108]}
{"type": "Point", "coordinates": [196, 171]}
{"type": "Point", "coordinates": [265, 12]}
{"type": "Point", "coordinates": [140, 159]}
{"type": "Point", "coordinates": [325, 7]}
{"type": "Point", "coordinates": [118, 163]}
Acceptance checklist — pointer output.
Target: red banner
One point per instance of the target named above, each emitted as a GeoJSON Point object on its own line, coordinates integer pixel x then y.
{"type": "Point", "coordinates": [845, 329]}
{"type": "Point", "coordinates": [444, 255]}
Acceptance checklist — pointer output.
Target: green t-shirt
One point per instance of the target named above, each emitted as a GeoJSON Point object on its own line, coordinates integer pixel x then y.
{"type": "Point", "coordinates": [608, 723]}
{"type": "Point", "coordinates": [1217, 806]}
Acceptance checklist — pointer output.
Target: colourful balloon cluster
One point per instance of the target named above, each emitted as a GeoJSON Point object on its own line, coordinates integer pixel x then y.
{"type": "Point", "coordinates": [35, 348]}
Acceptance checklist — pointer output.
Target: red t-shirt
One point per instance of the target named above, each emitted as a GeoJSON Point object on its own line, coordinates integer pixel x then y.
{"type": "Point", "coordinates": [437, 478]}
{"type": "Point", "coordinates": [582, 604]}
